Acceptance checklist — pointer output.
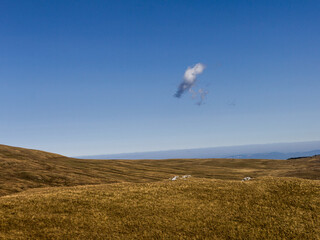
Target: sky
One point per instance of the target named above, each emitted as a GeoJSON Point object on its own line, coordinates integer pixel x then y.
{"type": "Point", "coordinates": [99, 77]}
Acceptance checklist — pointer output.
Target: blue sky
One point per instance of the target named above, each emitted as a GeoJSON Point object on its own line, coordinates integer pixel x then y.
{"type": "Point", "coordinates": [98, 77]}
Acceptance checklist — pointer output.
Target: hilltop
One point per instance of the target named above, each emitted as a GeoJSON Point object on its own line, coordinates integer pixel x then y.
{"type": "Point", "coordinates": [22, 169]}
{"type": "Point", "coordinates": [8, 152]}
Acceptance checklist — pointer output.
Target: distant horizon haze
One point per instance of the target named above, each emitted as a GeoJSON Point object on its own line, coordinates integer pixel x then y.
{"type": "Point", "coordinates": [270, 151]}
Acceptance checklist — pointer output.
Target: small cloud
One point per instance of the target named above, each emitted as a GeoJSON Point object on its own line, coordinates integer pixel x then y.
{"type": "Point", "coordinates": [202, 94]}
{"type": "Point", "coordinates": [189, 80]}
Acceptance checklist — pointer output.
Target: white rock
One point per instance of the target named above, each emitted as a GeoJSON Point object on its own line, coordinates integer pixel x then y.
{"type": "Point", "coordinates": [174, 178]}
{"type": "Point", "coordinates": [246, 179]}
{"type": "Point", "coordinates": [186, 176]}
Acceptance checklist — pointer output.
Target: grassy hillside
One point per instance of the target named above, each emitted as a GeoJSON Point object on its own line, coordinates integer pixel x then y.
{"type": "Point", "coordinates": [22, 169]}
{"type": "Point", "coordinates": [265, 208]}
{"type": "Point", "coordinates": [123, 199]}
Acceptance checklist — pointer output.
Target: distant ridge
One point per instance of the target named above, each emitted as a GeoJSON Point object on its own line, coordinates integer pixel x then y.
{"type": "Point", "coordinates": [314, 156]}
{"type": "Point", "coordinates": [255, 151]}
{"type": "Point", "coordinates": [279, 155]}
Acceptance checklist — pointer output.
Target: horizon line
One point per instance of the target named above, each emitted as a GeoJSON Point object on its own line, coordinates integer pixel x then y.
{"type": "Point", "coordinates": [199, 148]}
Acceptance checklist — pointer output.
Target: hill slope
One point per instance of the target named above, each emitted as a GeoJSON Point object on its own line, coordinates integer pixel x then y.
{"type": "Point", "coordinates": [265, 208]}
{"type": "Point", "coordinates": [22, 169]}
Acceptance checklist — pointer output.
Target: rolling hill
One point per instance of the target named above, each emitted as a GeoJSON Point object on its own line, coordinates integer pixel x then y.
{"type": "Point", "coordinates": [22, 169]}
{"type": "Point", "coordinates": [49, 196]}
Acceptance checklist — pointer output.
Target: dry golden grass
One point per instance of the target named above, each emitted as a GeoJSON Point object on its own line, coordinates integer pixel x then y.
{"type": "Point", "coordinates": [140, 203]}
{"type": "Point", "coordinates": [264, 208]}
{"type": "Point", "coordinates": [23, 169]}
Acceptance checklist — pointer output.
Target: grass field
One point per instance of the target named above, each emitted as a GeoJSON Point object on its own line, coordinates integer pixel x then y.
{"type": "Point", "coordinates": [23, 169]}
{"type": "Point", "coordinates": [48, 196]}
{"type": "Point", "coordinates": [266, 208]}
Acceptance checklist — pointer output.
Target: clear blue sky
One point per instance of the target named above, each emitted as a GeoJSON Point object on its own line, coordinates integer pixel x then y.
{"type": "Point", "coordinates": [98, 77]}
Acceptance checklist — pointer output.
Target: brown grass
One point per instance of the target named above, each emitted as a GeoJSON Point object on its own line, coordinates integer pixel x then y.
{"type": "Point", "coordinates": [265, 208]}
{"type": "Point", "coordinates": [23, 169]}
{"type": "Point", "coordinates": [141, 203]}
